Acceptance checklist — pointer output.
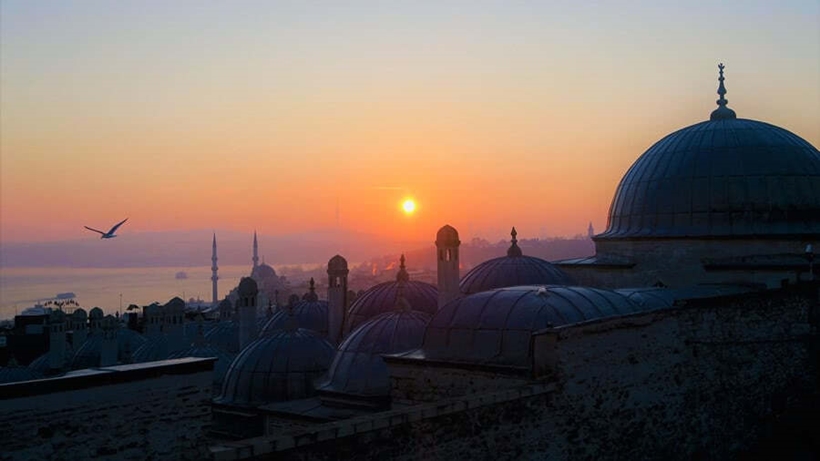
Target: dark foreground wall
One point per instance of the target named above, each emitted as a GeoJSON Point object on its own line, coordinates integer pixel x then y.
{"type": "Point", "coordinates": [155, 410]}
{"type": "Point", "coordinates": [710, 380]}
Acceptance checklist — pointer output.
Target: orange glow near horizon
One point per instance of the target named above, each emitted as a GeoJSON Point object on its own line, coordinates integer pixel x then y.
{"type": "Point", "coordinates": [491, 117]}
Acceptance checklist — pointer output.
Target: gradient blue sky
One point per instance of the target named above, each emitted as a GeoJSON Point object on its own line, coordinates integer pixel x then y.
{"type": "Point", "coordinates": [265, 115]}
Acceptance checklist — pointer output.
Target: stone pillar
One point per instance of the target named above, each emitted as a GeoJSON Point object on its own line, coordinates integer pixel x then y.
{"type": "Point", "coordinates": [447, 244]}
{"type": "Point", "coordinates": [56, 340]}
{"type": "Point", "coordinates": [247, 311]}
{"type": "Point", "coordinates": [95, 317]}
{"type": "Point", "coordinates": [152, 325]}
{"type": "Point", "coordinates": [79, 327]}
{"type": "Point", "coordinates": [174, 327]}
{"type": "Point", "coordinates": [336, 297]}
{"type": "Point", "coordinates": [108, 350]}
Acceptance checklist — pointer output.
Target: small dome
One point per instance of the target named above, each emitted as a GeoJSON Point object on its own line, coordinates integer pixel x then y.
{"type": "Point", "coordinates": [88, 354]}
{"type": "Point", "coordinates": [157, 348]}
{"type": "Point", "coordinates": [277, 367]}
{"type": "Point", "coordinates": [495, 326]}
{"type": "Point", "coordinates": [42, 363]}
{"type": "Point", "coordinates": [224, 335]}
{"type": "Point", "coordinates": [447, 236]}
{"type": "Point", "coordinates": [79, 315]}
{"type": "Point", "coordinates": [383, 297]}
{"type": "Point", "coordinates": [309, 314]}
{"type": "Point", "coordinates": [247, 287]}
{"type": "Point", "coordinates": [358, 367]}
{"type": "Point", "coordinates": [263, 271]}
{"type": "Point", "coordinates": [515, 269]}
{"type": "Point", "coordinates": [96, 313]}
{"type": "Point", "coordinates": [337, 264]}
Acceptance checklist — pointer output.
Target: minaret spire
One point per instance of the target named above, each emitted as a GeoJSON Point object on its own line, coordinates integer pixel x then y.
{"type": "Point", "coordinates": [255, 251]}
{"type": "Point", "coordinates": [722, 112]}
{"type": "Point", "coordinates": [214, 269]}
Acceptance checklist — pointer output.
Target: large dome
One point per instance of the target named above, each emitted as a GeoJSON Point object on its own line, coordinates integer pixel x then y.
{"type": "Point", "coordinates": [277, 367]}
{"type": "Point", "coordinates": [726, 177]}
{"type": "Point", "coordinates": [512, 270]}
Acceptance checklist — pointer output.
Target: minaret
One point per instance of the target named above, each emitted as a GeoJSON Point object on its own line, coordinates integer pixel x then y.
{"type": "Point", "coordinates": [336, 297]}
{"type": "Point", "coordinates": [214, 276]}
{"type": "Point", "coordinates": [255, 252]}
{"type": "Point", "coordinates": [722, 112]}
{"type": "Point", "coordinates": [447, 244]}
{"type": "Point", "coordinates": [590, 230]}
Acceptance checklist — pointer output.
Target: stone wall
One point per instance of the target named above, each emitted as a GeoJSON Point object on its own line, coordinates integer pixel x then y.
{"type": "Point", "coordinates": [677, 262]}
{"type": "Point", "coordinates": [125, 412]}
{"type": "Point", "coordinates": [703, 381]}
{"type": "Point", "coordinates": [414, 381]}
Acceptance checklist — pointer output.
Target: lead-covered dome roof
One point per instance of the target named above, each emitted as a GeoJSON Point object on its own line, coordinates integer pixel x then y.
{"type": "Point", "coordinates": [263, 271]}
{"type": "Point", "coordinates": [726, 177]}
{"type": "Point", "coordinates": [310, 313]}
{"type": "Point", "coordinates": [358, 367]}
{"type": "Point", "coordinates": [512, 270]}
{"type": "Point", "coordinates": [494, 327]}
{"type": "Point", "coordinates": [383, 297]}
{"type": "Point", "coordinates": [129, 342]}
{"type": "Point", "coordinates": [280, 366]}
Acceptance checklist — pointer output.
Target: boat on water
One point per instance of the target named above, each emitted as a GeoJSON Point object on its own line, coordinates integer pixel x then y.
{"type": "Point", "coordinates": [181, 275]}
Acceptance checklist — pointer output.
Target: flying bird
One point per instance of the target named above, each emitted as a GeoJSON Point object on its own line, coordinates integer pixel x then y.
{"type": "Point", "coordinates": [109, 234]}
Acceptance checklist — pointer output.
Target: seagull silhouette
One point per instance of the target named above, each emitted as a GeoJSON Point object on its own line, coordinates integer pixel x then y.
{"type": "Point", "coordinates": [109, 234]}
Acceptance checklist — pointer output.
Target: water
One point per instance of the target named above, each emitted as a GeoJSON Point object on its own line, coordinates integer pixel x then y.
{"type": "Point", "coordinates": [22, 287]}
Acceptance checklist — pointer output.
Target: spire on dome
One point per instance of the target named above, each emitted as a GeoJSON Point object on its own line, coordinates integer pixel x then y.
{"type": "Point", "coordinates": [514, 250]}
{"type": "Point", "coordinates": [402, 275]}
{"type": "Point", "coordinates": [722, 112]}
{"type": "Point", "coordinates": [402, 304]}
{"type": "Point", "coordinates": [311, 296]}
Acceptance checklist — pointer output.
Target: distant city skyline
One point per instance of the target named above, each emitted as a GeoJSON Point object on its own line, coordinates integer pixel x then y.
{"type": "Point", "coordinates": [286, 116]}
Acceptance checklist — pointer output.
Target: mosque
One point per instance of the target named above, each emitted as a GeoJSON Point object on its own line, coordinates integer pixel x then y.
{"type": "Point", "coordinates": [709, 235]}
{"type": "Point", "coordinates": [691, 333]}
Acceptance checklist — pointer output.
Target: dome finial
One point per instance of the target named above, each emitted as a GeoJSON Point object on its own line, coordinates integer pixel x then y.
{"type": "Point", "coordinates": [311, 295]}
{"type": "Point", "coordinates": [514, 250]}
{"type": "Point", "coordinates": [402, 275]}
{"type": "Point", "coordinates": [722, 112]}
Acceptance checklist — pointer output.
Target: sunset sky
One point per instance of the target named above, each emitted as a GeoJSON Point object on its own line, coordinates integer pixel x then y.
{"type": "Point", "coordinates": [268, 115]}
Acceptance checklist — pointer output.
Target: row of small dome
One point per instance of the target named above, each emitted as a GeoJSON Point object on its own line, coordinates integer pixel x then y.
{"type": "Point", "coordinates": [492, 327]}
{"type": "Point", "coordinates": [490, 322]}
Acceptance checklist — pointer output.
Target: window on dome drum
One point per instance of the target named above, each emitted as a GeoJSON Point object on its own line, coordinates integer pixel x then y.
{"type": "Point", "coordinates": [449, 255]}
{"type": "Point", "coordinates": [338, 282]}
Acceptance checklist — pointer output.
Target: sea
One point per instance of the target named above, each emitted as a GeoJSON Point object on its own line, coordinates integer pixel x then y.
{"type": "Point", "coordinates": [111, 290]}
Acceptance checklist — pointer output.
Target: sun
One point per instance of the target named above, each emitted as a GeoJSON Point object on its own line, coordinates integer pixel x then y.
{"type": "Point", "coordinates": [409, 206]}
